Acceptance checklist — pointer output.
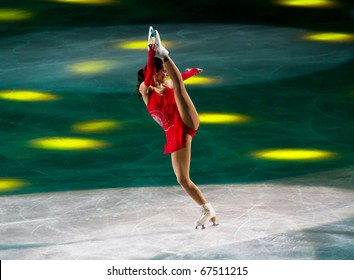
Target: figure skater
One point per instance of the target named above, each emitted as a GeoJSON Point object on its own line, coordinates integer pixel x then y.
{"type": "Point", "coordinates": [171, 107]}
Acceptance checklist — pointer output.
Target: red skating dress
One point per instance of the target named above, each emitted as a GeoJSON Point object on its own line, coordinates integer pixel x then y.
{"type": "Point", "coordinates": [163, 109]}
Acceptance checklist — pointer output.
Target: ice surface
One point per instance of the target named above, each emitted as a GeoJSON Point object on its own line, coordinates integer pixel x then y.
{"type": "Point", "coordinates": [257, 221]}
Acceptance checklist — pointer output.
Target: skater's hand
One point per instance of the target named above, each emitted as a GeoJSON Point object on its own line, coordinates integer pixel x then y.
{"type": "Point", "coordinates": [199, 69]}
{"type": "Point", "coordinates": [153, 47]}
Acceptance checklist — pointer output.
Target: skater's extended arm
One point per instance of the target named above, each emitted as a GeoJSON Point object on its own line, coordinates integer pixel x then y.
{"type": "Point", "coordinates": [190, 72]}
{"type": "Point", "coordinates": [148, 72]}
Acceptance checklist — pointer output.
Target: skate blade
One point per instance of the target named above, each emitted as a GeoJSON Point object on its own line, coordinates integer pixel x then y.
{"type": "Point", "coordinates": [203, 227]}
{"type": "Point", "coordinates": [151, 36]}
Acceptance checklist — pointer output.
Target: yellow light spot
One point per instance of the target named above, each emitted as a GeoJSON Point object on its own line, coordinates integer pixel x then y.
{"type": "Point", "coordinates": [87, 2]}
{"type": "Point", "coordinates": [10, 184]}
{"type": "Point", "coordinates": [93, 67]}
{"type": "Point", "coordinates": [97, 126]}
{"type": "Point", "coordinates": [307, 3]}
{"type": "Point", "coordinates": [330, 37]}
{"type": "Point", "coordinates": [139, 45]}
{"type": "Point", "coordinates": [199, 80]}
{"type": "Point", "coordinates": [294, 154]}
{"type": "Point", "coordinates": [8, 15]}
{"type": "Point", "coordinates": [63, 143]}
{"type": "Point", "coordinates": [220, 118]}
{"type": "Point", "coordinates": [27, 96]}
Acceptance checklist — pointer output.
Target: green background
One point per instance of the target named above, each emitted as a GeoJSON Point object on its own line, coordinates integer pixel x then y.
{"type": "Point", "coordinates": [313, 111]}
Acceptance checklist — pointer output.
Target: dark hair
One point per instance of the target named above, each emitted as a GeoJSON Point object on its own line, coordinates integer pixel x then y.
{"type": "Point", "coordinates": [141, 76]}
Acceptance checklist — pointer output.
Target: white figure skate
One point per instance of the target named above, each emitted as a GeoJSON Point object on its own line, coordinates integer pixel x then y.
{"type": "Point", "coordinates": [208, 213]}
{"type": "Point", "coordinates": [161, 51]}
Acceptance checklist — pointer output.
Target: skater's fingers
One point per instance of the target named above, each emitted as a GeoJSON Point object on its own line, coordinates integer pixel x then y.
{"type": "Point", "coordinates": [152, 47]}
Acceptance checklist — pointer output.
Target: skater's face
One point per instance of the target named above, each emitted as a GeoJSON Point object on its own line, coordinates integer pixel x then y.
{"type": "Point", "coordinates": [161, 75]}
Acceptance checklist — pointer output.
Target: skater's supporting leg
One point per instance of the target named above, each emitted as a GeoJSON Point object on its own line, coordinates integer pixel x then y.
{"type": "Point", "coordinates": [181, 164]}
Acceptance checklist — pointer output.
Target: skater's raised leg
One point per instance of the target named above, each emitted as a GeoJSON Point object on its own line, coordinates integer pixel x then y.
{"type": "Point", "coordinates": [186, 108]}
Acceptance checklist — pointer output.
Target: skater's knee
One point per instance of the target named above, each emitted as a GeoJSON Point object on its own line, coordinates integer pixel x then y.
{"type": "Point", "coordinates": [195, 123]}
{"type": "Point", "coordinates": [183, 181]}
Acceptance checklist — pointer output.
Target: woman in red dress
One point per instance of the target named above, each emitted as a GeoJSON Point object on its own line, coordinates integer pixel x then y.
{"type": "Point", "coordinates": [171, 107]}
